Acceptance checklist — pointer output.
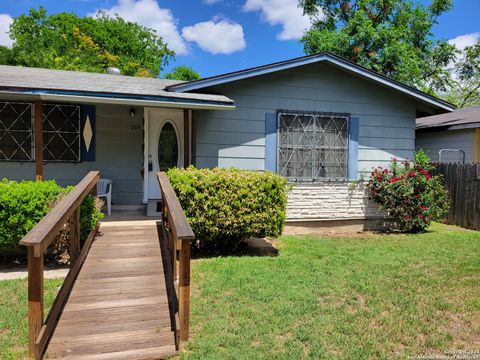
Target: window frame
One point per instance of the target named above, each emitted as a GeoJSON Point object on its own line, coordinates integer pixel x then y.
{"type": "Point", "coordinates": [32, 157]}
{"type": "Point", "coordinates": [32, 132]}
{"type": "Point", "coordinates": [79, 134]}
{"type": "Point", "coordinates": [346, 116]}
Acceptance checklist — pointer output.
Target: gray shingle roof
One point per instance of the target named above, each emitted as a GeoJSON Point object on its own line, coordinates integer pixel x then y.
{"type": "Point", "coordinates": [24, 78]}
{"type": "Point", "coordinates": [465, 116]}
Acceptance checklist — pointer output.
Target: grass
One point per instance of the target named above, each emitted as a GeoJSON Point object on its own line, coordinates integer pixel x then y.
{"type": "Point", "coordinates": [13, 315]}
{"type": "Point", "coordinates": [349, 297]}
{"type": "Point", "coordinates": [352, 297]}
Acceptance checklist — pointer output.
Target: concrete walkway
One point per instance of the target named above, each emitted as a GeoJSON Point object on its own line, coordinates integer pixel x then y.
{"type": "Point", "coordinates": [20, 273]}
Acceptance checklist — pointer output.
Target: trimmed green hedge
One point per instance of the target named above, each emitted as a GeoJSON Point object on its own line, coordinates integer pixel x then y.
{"type": "Point", "coordinates": [227, 206]}
{"type": "Point", "coordinates": [24, 204]}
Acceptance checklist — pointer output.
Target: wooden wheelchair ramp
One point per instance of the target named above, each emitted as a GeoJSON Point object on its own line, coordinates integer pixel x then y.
{"type": "Point", "coordinates": [118, 307]}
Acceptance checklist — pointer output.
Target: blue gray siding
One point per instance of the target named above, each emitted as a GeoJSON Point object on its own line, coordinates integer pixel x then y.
{"type": "Point", "coordinates": [433, 142]}
{"type": "Point", "coordinates": [118, 156]}
{"type": "Point", "coordinates": [237, 138]}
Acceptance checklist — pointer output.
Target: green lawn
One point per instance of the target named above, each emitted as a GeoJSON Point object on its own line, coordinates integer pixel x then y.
{"type": "Point", "coordinates": [354, 297]}
{"type": "Point", "coordinates": [357, 297]}
{"type": "Point", "coordinates": [13, 316]}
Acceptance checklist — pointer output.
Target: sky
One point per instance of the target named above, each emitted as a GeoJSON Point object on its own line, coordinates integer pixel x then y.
{"type": "Point", "coordinates": [218, 36]}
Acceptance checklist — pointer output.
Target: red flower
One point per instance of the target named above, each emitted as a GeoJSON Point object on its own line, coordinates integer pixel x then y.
{"type": "Point", "coordinates": [379, 177]}
{"type": "Point", "coordinates": [411, 174]}
{"type": "Point", "coordinates": [385, 171]}
{"type": "Point", "coordinates": [407, 217]}
{"type": "Point", "coordinates": [422, 207]}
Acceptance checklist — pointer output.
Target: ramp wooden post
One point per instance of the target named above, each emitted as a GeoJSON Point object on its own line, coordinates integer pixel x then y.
{"type": "Point", "coordinates": [184, 290]}
{"type": "Point", "coordinates": [35, 300]}
{"type": "Point", "coordinates": [74, 236]}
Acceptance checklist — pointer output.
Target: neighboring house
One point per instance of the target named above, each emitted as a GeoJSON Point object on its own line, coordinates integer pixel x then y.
{"type": "Point", "coordinates": [319, 120]}
{"type": "Point", "coordinates": [458, 130]}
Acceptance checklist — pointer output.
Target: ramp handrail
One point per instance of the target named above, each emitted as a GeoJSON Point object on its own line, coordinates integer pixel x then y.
{"type": "Point", "coordinates": [179, 234]}
{"type": "Point", "coordinates": [37, 241]}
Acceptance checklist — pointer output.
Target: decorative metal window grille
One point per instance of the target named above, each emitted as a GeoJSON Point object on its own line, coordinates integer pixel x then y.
{"type": "Point", "coordinates": [16, 131]}
{"type": "Point", "coordinates": [312, 146]}
{"type": "Point", "coordinates": [61, 133]}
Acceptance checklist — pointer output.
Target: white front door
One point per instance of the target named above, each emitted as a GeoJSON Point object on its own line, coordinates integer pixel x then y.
{"type": "Point", "coordinates": [164, 145]}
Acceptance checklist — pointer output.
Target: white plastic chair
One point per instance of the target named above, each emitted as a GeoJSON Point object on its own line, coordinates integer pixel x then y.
{"type": "Point", "coordinates": [104, 190]}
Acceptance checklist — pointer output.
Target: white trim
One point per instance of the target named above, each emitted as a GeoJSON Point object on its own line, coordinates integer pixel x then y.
{"type": "Point", "coordinates": [181, 104]}
{"type": "Point", "coordinates": [461, 126]}
{"type": "Point", "coordinates": [199, 84]}
{"type": "Point", "coordinates": [145, 154]}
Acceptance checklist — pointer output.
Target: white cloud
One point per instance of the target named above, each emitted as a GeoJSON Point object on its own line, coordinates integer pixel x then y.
{"type": "Point", "coordinates": [216, 36]}
{"type": "Point", "coordinates": [281, 12]}
{"type": "Point", "coordinates": [5, 21]}
{"type": "Point", "coordinates": [149, 14]}
{"type": "Point", "coordinates": [211, 2]}
{"type": "Point", "coordinates": [462, 41]}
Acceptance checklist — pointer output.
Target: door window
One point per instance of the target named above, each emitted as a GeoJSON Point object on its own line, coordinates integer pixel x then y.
{"type": "Point", "coordinates": [167, 147]}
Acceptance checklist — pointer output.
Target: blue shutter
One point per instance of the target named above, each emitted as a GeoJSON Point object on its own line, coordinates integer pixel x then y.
{"type": "Point", "coordinates": [87, 112]}
{"type": "Point", "coordinates": [271, 142]}
{"type": "Point", "coordinates": [353, 130]}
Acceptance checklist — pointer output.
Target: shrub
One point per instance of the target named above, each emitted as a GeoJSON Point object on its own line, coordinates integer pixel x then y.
{"type": "Point", "coordinates": [227, 206]}
{"type": "Point", "coordinates": [24, 204]}
{"type": "Point", "coordinates": [409, 193]}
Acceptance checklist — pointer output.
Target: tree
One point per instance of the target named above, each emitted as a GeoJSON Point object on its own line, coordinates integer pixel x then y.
{"type": "Point", "coordinates": [464, 86]}
{"type": "Point", "coordinates": [66, 41]}
{"type": "Point", "coordinates": [182, 73]}
{"type": "Point", "coordinates": [392, 37]}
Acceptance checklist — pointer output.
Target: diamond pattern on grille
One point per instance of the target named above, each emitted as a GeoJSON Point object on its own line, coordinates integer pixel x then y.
{"type": "Point", "coordinates": [16, 132]}
{"type": "Point", "coordinates": [61, 133]}
{"type": "Point", "coordinates": [312, 146]}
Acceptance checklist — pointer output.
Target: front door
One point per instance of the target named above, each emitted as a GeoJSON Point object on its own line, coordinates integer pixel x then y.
{"type": "Point", "coordinates": [165, 145]}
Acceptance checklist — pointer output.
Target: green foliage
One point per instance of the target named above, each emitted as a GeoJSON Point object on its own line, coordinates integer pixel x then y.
{"type": "Point", "coordinates": [392, 37]}
{"type": "Point", "coordinates": [66, 41]}
{"type": "Point", "coordinates": [182, 73]}
{"type": "Point", "coordinates": [409, 193]}
{"type": "Point", "coordinates": [227, 206]}
{"type": "Point", "coordinates": [90, 215]}
{"type": "Point", "coordinates": [24, 204]}
{"type": "Point", "coordinates": [464, 87]}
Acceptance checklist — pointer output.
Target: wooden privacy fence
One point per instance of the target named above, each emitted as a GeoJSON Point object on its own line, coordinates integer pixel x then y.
{"type": "Point", "coordinates": [178, 234]}
{"type": "Point", "coordinates": [37, 241]}
{"type": "Point", "coordinates": [463, 184]}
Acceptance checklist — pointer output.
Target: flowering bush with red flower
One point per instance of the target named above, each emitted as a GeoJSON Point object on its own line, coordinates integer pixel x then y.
{"type": "Point", "coordinates": [409, 193]}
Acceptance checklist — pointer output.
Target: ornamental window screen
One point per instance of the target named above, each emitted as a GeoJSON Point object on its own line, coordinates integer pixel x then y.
{"type": "Point", "coordinates": [16, 131]}
{"type": "Point", "coordinates": [61, 133]}
{"type": "Point", "coordinates": [312, 146]}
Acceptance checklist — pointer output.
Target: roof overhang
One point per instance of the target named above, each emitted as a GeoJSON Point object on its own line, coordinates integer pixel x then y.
{"type": "Point", "coordinates": [305, 60]}
{"type": "Point", "coordinates": [89, 98]}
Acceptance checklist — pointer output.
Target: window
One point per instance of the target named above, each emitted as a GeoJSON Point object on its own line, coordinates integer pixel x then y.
{"type": "Point", "coordinates": [16, 131]}
{"type": "Point", "coordinates": [61, 133]}
{"type": "Point", "coordinates": [312, 146]}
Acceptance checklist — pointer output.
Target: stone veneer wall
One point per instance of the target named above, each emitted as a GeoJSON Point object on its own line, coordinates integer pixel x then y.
{"type": "Point", "coordinates": [332, 200]}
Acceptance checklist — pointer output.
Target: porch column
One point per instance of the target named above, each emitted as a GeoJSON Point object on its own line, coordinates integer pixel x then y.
{"type": "Point", "coordinates": [186, 137]}
{"type": "Point", "coordinates": [38, 141]}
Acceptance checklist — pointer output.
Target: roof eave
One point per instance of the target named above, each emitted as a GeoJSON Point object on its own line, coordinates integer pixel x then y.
{"type": "Point", "coordinates": [91, 99]}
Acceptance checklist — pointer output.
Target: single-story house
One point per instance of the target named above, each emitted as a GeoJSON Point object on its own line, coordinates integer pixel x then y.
{"type": "Point", "coordinates": [320, 120]}
{"type": "Point", "coordinates": [454, 135]}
